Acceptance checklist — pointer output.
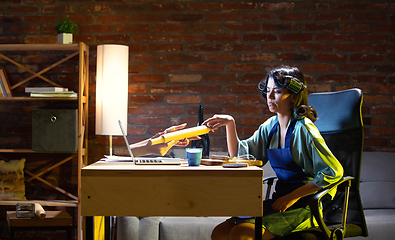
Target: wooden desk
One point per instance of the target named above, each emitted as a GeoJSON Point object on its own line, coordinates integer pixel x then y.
{"type": "Point", "coordinates": [125, 189]}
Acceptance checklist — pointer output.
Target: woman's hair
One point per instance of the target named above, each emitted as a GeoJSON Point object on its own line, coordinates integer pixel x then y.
{"type": "Point", "coordinates": [292, 79]}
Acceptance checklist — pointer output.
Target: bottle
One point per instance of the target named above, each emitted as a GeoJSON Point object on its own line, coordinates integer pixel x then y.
{"type": "Point", "coordinates": [204, 142]}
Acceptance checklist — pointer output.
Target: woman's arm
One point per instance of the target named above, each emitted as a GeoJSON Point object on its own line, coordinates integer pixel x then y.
{"type": "Point", "coordinates": [286, 201]}
{"type": "Point", "coordinates": [231, 135]}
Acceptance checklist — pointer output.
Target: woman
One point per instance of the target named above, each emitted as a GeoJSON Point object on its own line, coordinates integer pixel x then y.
{"type": "Point", "coordinates": [296, 151]}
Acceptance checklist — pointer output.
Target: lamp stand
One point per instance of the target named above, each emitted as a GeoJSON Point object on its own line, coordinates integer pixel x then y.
{"type": "Point", "coordinates": [110, 145]}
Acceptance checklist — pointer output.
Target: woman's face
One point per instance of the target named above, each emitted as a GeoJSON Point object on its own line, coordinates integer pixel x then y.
{"type": "Point", "coordinates": [279, 100]}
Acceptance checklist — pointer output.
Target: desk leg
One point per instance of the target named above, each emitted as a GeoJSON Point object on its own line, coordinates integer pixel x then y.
{"type": "Point", "coordinates": [107, 227]}
{"type": "Point", "coordinates": [258, 228]}
{"type": "Point", "coordinates": [89, 229]}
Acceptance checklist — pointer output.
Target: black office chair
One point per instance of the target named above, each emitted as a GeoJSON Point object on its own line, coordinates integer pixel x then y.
{"type": "Point", "coordinates": [340, 123]}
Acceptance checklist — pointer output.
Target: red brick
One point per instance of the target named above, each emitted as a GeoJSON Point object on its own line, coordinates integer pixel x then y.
{"type": "Point", "coordinates": [184, 58]}
{"type": "Point", "coordinates": [377, 131]}
{"type": "Point", "coordinates": [204, 88]}
{"type": "Point", "coordinates": [20, 29]}
{"type": "Point", "coordinates": [363, 17]}
{"type": "Point", "coordinates": [319, 27]}
{"type": "Point", "coordinates": [39, 19]}
{"type": "Point", "coordinates": [259, 37]}
{"type": "Point", "coordinates": [182, 99]}
{"type": "Point", "coordinates": [42, 39]}
{"type": "Point", "coordinates": [97, 28]}
{"type": "Point", "coordinates": [332, 37]}
{"type": "Point", "coordinates": [241, 88]}
{"type": "Point", "coordinates": [137, 110]}
{"type": "Point", "coordinates": [351, 6]}
{"type": "Point", "coordinates": [252, 121]}
{"type": "Point", "coordinates": [81, 18]}
{"type": "Point", "coordinates": [241, 48]}
{"type": "Point", "coordinates": [295, 37]}
{"type": "Point", "coordinates": [373, 141]}
{"type": "Point", "coordinates": [376, 99]}
{"type": "Point", "coordinates": [354, 67]}
{"type": "Point", "coordinates": [149, 37]}
{"type": "Point", "coordinates": [166, 7]}
{"type": "Point", "coordinates": [203, 6]}
{"type": "Point", "coordinates": [222, 57]}
{"type": "Point", "coordinates": [137, 78]}
{"type": "Point", "coordinates": [319, 67]}
{"type": "Point", "coordinates": [369, 79]}
{"type": "Point", "coordinates": [239, 6]}
{"type": "Point", "coordinates": [132, 28]}
{"type": "Point", "coordinates": [205, 27]}
{"type": "Point", "coordinates": [169, 68]}
{"type": "Point", "coordinates": [382, 7]}
{"type": "Point", "coordinates": [370, 37]}
{"type": "Point", "coordinates": [185, 17]}
{"type": "Point", "coordinates": [314, 6]}
{"type": "Point", "coordinates": [316, 47]}
{"type": "Point", "coordinates": [391, 57]}
{"type": "Point", "coordinates": [144, 99]}
{"type": "Point", "coordinates": [267, 57]}
{"type": "Point", "coordinates": [185, 37]}
{"type": "Point", "coordinates": [383, 47]}
{"type": "Point", "coordinates": [165, 47]}
{"type": "Point", "coordinates": [278, 46]}
{"type": "Point", "coordinates": [222, 37]}
{"type": "Point", "coordinates": [251, 27]}
{"type": "Point", "coordinates": [223, 17]}
{"type": "Point", "coordinates": [385, 89]}
{"type": "Point", "coordinates": [384, 28]}
{"type": "Point", "coordinates": [330, 57]}
{"type": "Point", "coordinates": [206, 67]}
{"type": "Point", "coordinates": [367, 58]}
{"type": "Point", "coordinates": [113, 38]}
{"type": "Point", "coordinates": [293, 57]}
{"type": "Point", "coordinates": [277, 6]}
{"type": "Point", "coordinates": [137, 47]}
{"type": "Point", "coordinates": [23, 9]}
{"type": "Point", "coordinates": [252, 98]}
{"type": "Point", "coordinates": [244, 67]}
{"type": "Point", "coordinates": [9, 19]}
{"type": "Point", "coordinates": [349, 27]}
{"type": "Point", "coordinates": [186, 78]}
{"type": "Point", "coordinates": [254, 16]}
{"type": "Point", "coordinates": [333, 78]}
{"type": "Point", "coordinates": [204, 48]}
{"type": "Point", "coordinates": [220, 78]}
{"type": "Point", "coordinates": [95, 8]}
{"type": "Point", "coordinates": [333, 17]}
{"type": "Point", "coordinates": [295, 17]}
{"type": "Point", "coordinates": [243, 109]}
{"type": "Point", "coordinates": [137, 89]}
{"type": "Point", "coordinates": [253, 77]}
{"type": "Point", "coordinates": [144, 17]}
{"type": "Point", "coordinates": [167, 89]}
{"type": "Point", "coordinates": [147, 120]}
{"type": "Point", "coordinates": [113, 18]}
{"type": "Point", "coordinates": [271, 27]}
{"type": "Point", "coordinates": [220, 99]}
{"type": "Point", "coordinates": [168, 27]}
{"type": "Point", "coordinates": [352, 47]}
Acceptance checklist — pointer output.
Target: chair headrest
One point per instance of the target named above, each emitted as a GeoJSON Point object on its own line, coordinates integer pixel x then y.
{"type": "Point", "coordinates": [337, 111]}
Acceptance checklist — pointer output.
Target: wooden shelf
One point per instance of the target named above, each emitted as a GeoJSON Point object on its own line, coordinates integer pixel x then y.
{"type": "Point", "coordinates": [51, 203]}
{"type": "Point", "coordinates": [39, 47]}
{"type": "Point", "coordinates": [27, 151]}
{"type": "Point", "coordinates": [38, 99]}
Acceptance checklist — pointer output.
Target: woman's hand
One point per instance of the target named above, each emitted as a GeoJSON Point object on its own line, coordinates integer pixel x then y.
{"type": "Point", "coordinates": [218, 121]}
{"type": "Point", "coordinates": [283, 203]}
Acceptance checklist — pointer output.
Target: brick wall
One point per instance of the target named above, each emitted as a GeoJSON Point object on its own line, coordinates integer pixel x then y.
{"type": "Point", "coordinates": [186, 53]}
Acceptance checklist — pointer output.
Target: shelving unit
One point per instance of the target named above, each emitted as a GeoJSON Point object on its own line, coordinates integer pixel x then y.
{"type": "Point", "coordinates": [82, 50]}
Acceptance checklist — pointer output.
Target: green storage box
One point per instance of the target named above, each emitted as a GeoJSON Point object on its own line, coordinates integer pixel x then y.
{"type": "Point", "coordinates": [55, 130]}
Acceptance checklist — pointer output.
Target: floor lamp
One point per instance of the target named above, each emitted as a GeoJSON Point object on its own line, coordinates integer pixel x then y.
{"type": "Point", "coordinates": [111, 89]}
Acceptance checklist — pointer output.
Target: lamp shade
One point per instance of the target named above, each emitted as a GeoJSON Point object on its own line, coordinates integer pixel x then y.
{"type": "Point", "coordinates": [111, 88]}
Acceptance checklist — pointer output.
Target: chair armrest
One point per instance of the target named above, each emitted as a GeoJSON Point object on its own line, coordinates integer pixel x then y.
{"type": "Point", "coordinates": [314, 203]}
{"type": "Point", "coordinates": [270, 181]}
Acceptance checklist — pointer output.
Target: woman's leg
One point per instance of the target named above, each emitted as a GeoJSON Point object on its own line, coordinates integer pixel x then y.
{"type": "Point", "coordinates": [246, 231]}
{"type": "Point", "coordinates": [221, 231]}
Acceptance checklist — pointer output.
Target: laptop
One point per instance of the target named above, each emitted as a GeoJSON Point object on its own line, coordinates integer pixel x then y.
{"type": "Point", "coordinates": [146, 160]}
